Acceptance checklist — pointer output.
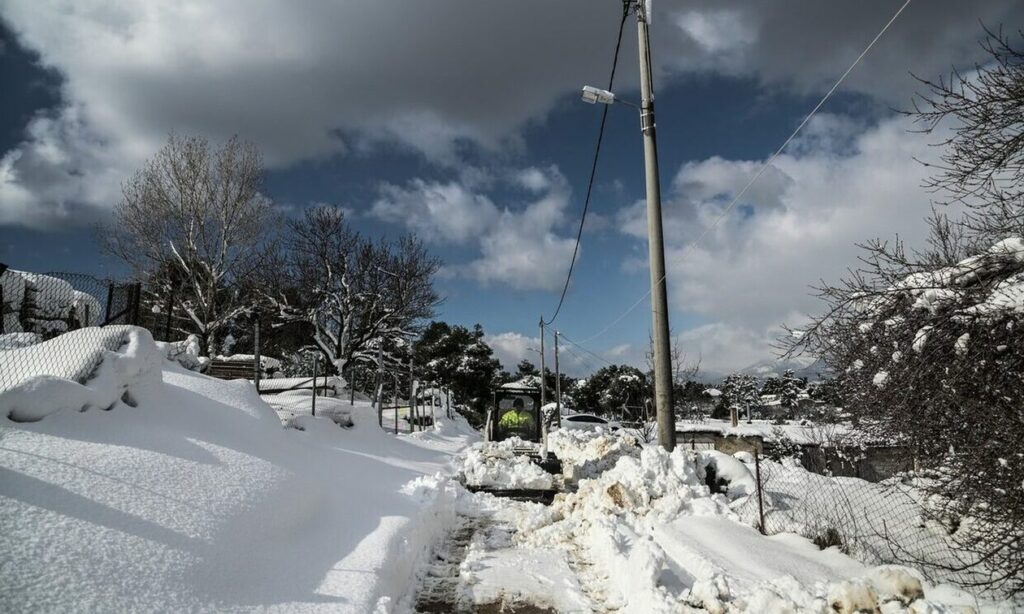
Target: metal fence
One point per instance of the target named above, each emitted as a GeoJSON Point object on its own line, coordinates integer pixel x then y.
{"type": "Point", "coordinates": [73, 315]}
{"type": "Point", "coordinates": [892, 521]}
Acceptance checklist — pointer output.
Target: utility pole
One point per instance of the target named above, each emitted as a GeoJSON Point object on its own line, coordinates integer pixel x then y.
{"type": "Point", "coordinates": [558, 384]}
{"type": "Point", "coordinates": [543, 387]}
{"type": "Point", "coordinates": [543, 396]}
{"type": "Point", "coordinates": [656, 242]}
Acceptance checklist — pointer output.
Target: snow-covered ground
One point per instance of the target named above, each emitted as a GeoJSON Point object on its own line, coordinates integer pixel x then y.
{"type": "Point", "coordinates": [198, 499]}
{"type": "Point", "coordinates": [179, 492]}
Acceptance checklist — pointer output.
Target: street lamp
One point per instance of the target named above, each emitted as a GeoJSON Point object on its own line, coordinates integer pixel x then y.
{"type": "Point", "coordinates": [595, 95]}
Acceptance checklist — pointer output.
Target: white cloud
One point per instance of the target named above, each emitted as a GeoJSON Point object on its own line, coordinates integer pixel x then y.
{"type": "Point", "coordinates": [519, 244]}
{"type": "Point", "coordinates": [753, 271]}
{"type": "Point", "coordinates": [511, 347]}
{"type": "Point", "coordinates": [316, 79]}
{"type": "Point", "coordinates": [437, 212]}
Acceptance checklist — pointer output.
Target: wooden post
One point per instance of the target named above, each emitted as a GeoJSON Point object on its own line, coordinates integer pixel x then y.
{"type": "Point", "coordinates": [412, 395]}
{"type": "Point", "coordinates": [760, 493]}
{"type": "Point", "coordinates": [256, 355]}
{"type": "Point", "coordinates": [352, 384]}
{"type": "Point", "coordinates": [396, 403]}
{"type": "Point", "coordinates": [433, 410]}
{"type": "Point", "coordinates": [316, 362]}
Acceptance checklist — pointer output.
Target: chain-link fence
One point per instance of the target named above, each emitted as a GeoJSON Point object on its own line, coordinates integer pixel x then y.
{"type": "Point", "coordinates": [58, 324]}
{"type": "Point", "coordinates": [892, 521]}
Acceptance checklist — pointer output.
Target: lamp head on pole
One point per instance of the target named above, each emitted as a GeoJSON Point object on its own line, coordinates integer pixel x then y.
{"type": "Point", "coordinates": [593, 95]}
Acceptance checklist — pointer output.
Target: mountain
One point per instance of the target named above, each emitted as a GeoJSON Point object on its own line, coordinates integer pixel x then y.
{"type": "Point", "coordinates": [773, 368]}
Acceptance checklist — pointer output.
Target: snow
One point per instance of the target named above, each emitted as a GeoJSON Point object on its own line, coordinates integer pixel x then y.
{"type": "Point", "coordinates": [588, 453]}
{"type": "Point", "coordinates": [960, 347]}
{"type": "Point", "coordinates": [880, 378]}
{"type": "Point", "coordinates": [13, 341]}
{"type": "Point", "coordinates": [496, 465]}
{"type": "Point", "coordinates": [198, 500]}
{"type": "Point", "coordinates": [266, 362]}
{"type": "Point", "coordinates": [189, 495]}
{"type": "Point", "coordinates": [647, 535]}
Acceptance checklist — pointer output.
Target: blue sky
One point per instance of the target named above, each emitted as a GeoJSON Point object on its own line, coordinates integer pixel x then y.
{"type": "Point", "coordinates": [480, 145]}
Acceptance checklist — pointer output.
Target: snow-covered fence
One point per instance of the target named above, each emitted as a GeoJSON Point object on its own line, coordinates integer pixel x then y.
{"type": "Point", "coordinates": [37, 308]}
{"type": "Point", "coordinates": [888, 522]}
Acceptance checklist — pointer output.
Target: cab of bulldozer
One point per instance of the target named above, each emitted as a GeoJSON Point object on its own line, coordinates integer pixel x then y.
{"type": "Point", "coordinates": [515, 413]}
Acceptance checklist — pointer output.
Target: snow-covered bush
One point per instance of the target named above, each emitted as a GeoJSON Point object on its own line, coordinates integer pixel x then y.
{"type": "Point", "coordinates": [930, 344]}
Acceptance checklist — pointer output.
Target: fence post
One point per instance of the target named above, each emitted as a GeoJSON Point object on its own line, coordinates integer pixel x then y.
{"type": "Point", "coordinates": [412, 395]}
{"type": "Point", "coordinates": [760, 493]}
{"type": "Point", "coordinates": [3, 311]}
{"type": "Point", "coordinates": [379, 388]}
{"type": "Point", "coordinates": [136, 296]}
{"type": "Point", "coordinates": [170, 310]}
{"type": "Point", "coordinates": [352, 384]}
{"type": "Point", "coordinates": [396, 404]}
{"type": "Point", "coordinates": [110, 301]}
{"type": "Point", "coordinates": [256, 362]}
{"type": "Point", "coordinates": [433, 409]}
{"type": "Point", "coordinates": [316, 361]}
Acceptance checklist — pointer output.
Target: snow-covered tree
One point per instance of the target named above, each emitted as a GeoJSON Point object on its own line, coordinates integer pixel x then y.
{"type": "Point", "coordinates": [355, 295]}
{"type": "Point", "coordinates": [741, 391]}
{"type": "Point", "coordinates": [930, 345]}
{"type": "Point", "coordinates": [194, 218]}
{"type": "Point", "coordinates": [458, 358]}
{"type": "Point", "coordinates": [790, 389]}
{"type": "Point", "coordinates": [613, 390]}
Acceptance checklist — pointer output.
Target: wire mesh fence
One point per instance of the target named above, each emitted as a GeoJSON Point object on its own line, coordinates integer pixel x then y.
{"type": "Point", "coordinates": [893, 521]}
{"type": "Point", "coordinates": [59, 324]}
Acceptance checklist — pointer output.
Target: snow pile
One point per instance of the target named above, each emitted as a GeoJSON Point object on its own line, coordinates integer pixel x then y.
{"type": "Point", "coordinates": [730, 476]}
{"type": "Point", "coordinates": [588, 453]}
{"type": "Point", "coordinates": [496, 465]}
{"type": "Point", "coordinates": [90, 368]}
{"type": "Point", "coordinates": [654, 538]}
{"type": "Point", "coordinates": [266, 362]}
{"type": "Point", "coordinates": [185, 352]}
{"type": "Point", "coordinates": [295, 405]}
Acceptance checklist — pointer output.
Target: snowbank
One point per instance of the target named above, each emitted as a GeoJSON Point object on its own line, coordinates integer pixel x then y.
{"type": "Point", "coordinates": [654, 538]}
{"type": "Point", "coordinates": [586, 454]}
{"type": "Point", "coordinates": [198, 500]}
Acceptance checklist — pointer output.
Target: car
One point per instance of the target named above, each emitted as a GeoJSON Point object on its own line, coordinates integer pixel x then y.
{"type": "Point", "coordinates": [588, 422]}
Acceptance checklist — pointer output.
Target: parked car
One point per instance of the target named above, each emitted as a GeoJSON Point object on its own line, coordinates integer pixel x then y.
{"type": "Point", "coordinates": [588, 422]}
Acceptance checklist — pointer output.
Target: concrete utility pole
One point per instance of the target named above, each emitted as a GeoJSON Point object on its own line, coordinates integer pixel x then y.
{"type": "Point", "coordinates": [543, 396]}
{"type": "Point", "coordinates": [558, 384]}
{"type": "Point", "coordinates": [656, 243]}
{"type": "Point", "coordinates": [543, 388]}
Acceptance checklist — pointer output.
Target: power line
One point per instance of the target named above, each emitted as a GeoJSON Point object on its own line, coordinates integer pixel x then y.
{"type": "Point", "coordinates": [597, 356]}
{"type": "Point", "coordinates": [593, 166]}
{"type": "Point", "coordinates": [757, 175]}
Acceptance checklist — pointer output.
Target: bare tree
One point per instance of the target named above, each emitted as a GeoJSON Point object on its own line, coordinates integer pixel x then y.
{"type": "Point", "coordinates": [194, 217]}
{"type": "Point", "coordinates": [355, 295]}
